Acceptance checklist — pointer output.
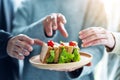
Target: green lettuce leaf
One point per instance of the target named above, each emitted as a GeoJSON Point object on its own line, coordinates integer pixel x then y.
{"type": "Point", "coordinates": [65, 57]}
{"type": "Point", "coordinates": [76, 55]}
{"type": "Point", "coordinates": [52, 57]}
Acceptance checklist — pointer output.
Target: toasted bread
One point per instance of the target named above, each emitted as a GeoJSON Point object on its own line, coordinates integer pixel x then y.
{"type": "Point", "coordinates": [57, 49]}
{"type": "Point", "coordinates": [45, 53]}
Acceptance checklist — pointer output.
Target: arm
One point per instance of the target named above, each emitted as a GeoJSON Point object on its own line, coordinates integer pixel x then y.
{"type": "Point", "coordinates": [17, 46]}
{"type": "Point", "coordinates": [48, 24]}
{"type": "Point", "coordinates": [22, 22]}
{"type": "Point", "coordinates": [4, 38]}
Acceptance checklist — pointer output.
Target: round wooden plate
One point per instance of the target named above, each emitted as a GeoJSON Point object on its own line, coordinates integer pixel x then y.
{"type": "Point", "coordinates": [85, 59]}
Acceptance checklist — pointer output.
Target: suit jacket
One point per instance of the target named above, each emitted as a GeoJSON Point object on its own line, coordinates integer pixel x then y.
{"type": "Point", "coordinates": [6, 15]}
{"type": "Point", "coordinates": [9, 69]}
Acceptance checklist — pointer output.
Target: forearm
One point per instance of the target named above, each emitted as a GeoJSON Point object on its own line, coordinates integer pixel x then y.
{"type": "Point", "coordinates": [35, 30]}
{"type": "Point", "coordinates": [116, 48]}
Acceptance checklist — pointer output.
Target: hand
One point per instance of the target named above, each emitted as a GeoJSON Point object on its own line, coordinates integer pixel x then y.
{"type": "Point", "coordinates": [54, 22]}
{"type": "Point", "coordinates": [97, 36]}
{"type": "Point", "coordinates": [21, 46]}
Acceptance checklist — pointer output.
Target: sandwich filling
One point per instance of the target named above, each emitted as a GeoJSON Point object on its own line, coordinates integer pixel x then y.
{"type": "Point", "coordinates": [53, 52]}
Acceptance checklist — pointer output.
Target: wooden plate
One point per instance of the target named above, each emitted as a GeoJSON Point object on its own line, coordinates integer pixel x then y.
{"type": "Point", "coordinates": [85, 59]}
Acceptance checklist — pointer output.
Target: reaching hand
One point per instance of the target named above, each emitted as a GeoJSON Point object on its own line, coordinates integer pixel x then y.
{"type": "Point", "coordinates": [53, 22]}
{"type": "Point", "coordinates": [97, 36]}
{"type": "Point", "coordinates": [21, 46]}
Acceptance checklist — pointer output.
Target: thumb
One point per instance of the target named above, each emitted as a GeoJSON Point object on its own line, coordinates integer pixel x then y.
{"type": "Point", "coordinates": [38, 42]}
{"type": "Point", "coordinates": [89, 64]}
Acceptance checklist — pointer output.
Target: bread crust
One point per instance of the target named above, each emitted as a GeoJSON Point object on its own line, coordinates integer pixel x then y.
{"type": "Point", "coordinates": [45, 53]}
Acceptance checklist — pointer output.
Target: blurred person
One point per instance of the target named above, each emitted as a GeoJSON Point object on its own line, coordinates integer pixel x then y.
{"type": "Point", "coordinates": [16, 47]}
{"type": "Point", "coordinates": [80, 14]}
{"type": "Point", "coordinates": [9, 67]}
{"type": "Point", "coordinates": [111, 57]}
{"type": "Point", "coordinates": [111, 40]}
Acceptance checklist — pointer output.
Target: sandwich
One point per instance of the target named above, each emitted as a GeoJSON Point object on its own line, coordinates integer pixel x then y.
{"type": "Point", "coordinates": [63, 52]}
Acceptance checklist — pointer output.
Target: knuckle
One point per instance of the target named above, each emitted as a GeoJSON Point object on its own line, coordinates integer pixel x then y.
{"type": "Point", "coordinates": [51, 17]}
{"type": "Point", "coordinates": [14, 55]}
{"type": "Point", "coordinates": [14, 48]}
{"type": "Point", "coordinates": [96, 35]}
{"type": "Point", "coordinates": [93, 31]}
{"type": "Point", "coordinates": [60, 13]}
{"type": "Point", "coordinates": [24, 46]}
{"type": "Point", "coordinates": [91, 28]}
{"type": "Point", "coordinates": [26, 53]}
{"type": "Point", "coordinates": [100, 41]}
{"type": "Point", "coordinates": [20, 35]}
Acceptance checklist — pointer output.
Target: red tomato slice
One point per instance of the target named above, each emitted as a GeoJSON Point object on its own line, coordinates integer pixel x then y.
{"type": "Point", "coordinates": [72, 43]}
{"type": "Point", "coordinates": [50, 43]}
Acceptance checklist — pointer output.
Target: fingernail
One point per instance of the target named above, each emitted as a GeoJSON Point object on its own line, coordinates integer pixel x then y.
{"type": "Point", "coordinates": [49, 33]}
{"type": "Point", "coordinates": [87, 45]}
{"type": "Point", "coordinates": [80, 36]}
{"type": "Point", "coordinates": [59, 15]}
{"type": "Point", "coordinates": [82, 45]}
{"type": "Point", "coordinates": [66, 35]}
{"type": "Point", "coordinates": [21, 57]}
{"type": "Point", "coordinates": [54, 27]}
{"type": "Point", "coordinates": [28, 49]}
{"type": "Point", "coordinates": [26, 53]}
{"type": "Point", "coordinates": [32, 42]}
{"type": "Point", "coordinates": [80, 32]}
{"type": "Point", "coordinates": [64, 21]}
{"type": "Point", "coordinates": [83, 40]}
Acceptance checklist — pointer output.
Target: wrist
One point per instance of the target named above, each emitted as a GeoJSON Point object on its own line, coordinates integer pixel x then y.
{"type": "Point", "coordinates": [110, 48]}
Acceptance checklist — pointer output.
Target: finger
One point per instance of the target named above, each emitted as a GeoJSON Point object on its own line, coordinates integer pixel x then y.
{"type": "Point", "coordinates": [62, 29]}
{"type": "Point", "coordinates": [38, 42]}
{"type": "Point", "coordinates": [61, 18]}
{"type": "Point", "coordinates": [25, 52]}
{"type": "Point", "coordinates": [94, 37]}
{"type": "Point", "coordinates": [89, 64]}
{"type": "Point", "coordinates": [48, 26]}
{"type": "Point", "coordinates": [54, 21]}
{"type": "Point", "coordinates": [95, 42]}
{"type": "Point", "coordinates": [24, 45]}
{"type": "Point", "coordinates": [21, 51]}
{"type": "Point", "coordinates": [17, 49]}
{"type": "Point", "coordinates": [26, 39]}
{"type": "Point", "coordinates": [91, 31]}
{"type": "Point", "coordinates": [17, 56]}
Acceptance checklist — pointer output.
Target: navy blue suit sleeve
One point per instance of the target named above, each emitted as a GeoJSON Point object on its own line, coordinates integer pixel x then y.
{"type": "Point", "coordinates": [4, 38]}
